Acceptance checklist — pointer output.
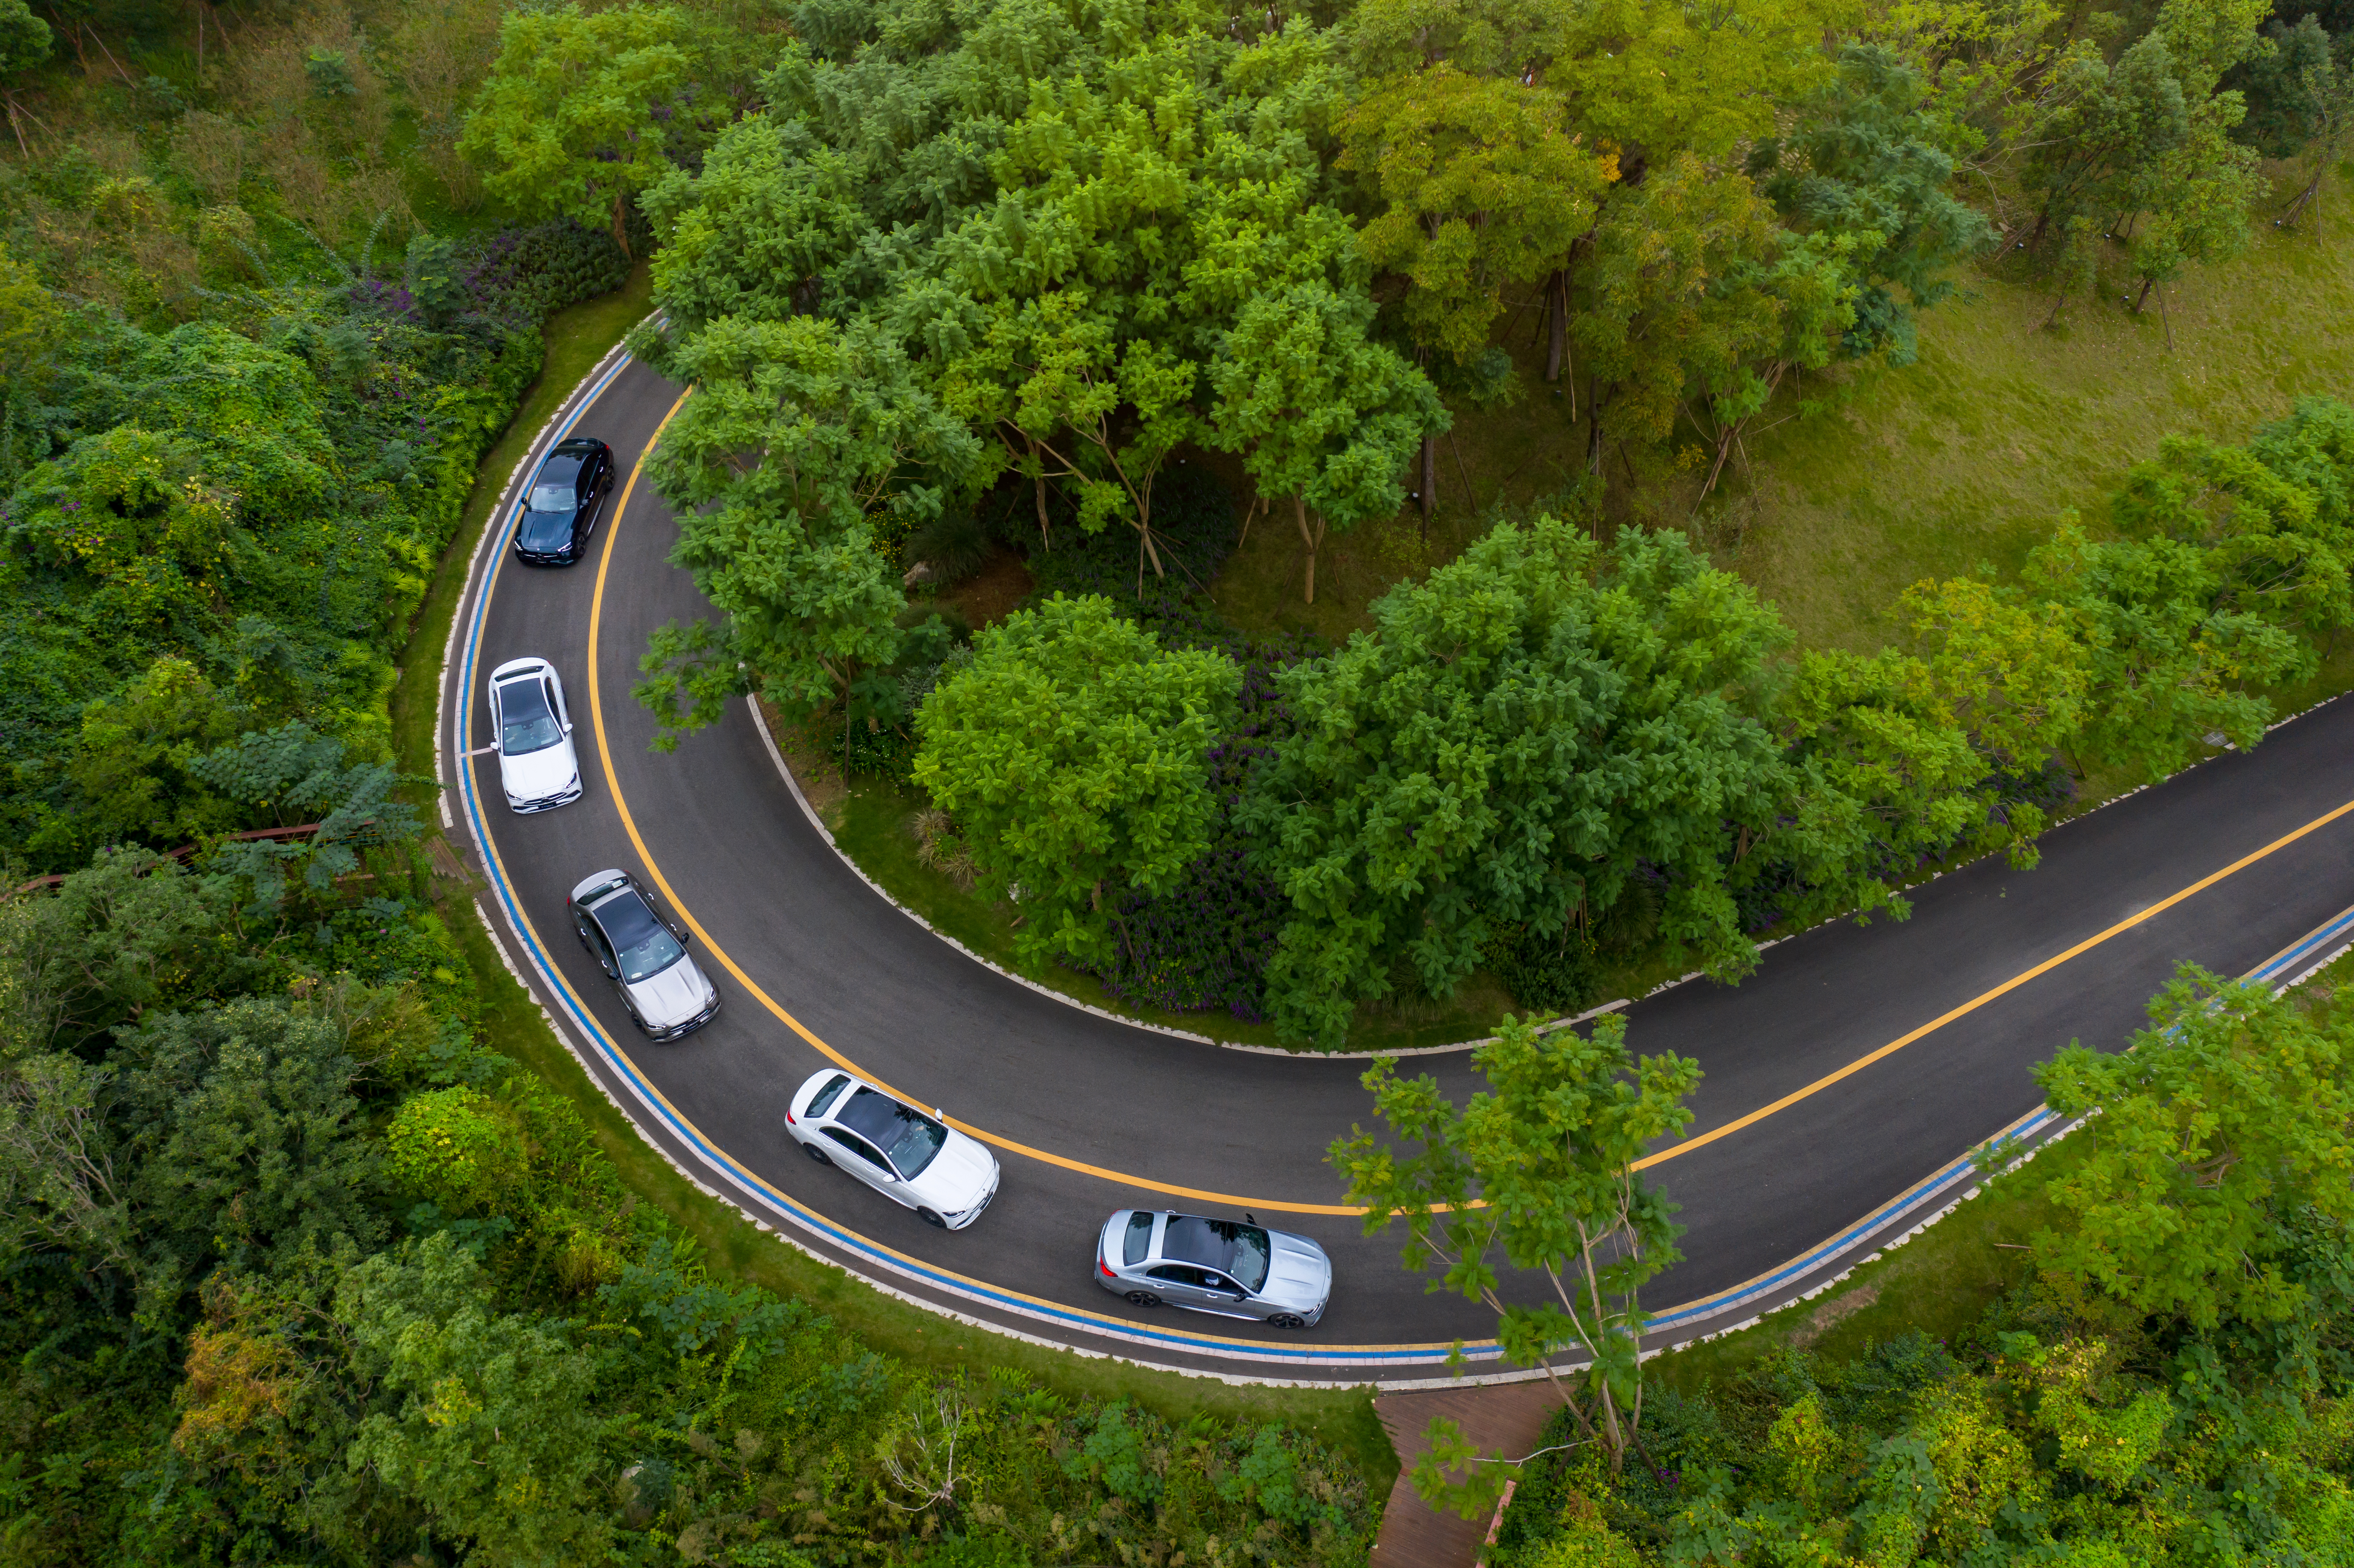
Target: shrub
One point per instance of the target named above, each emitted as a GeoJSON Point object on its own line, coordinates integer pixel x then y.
{"type": "Point", "coordinates": [456, 1149]}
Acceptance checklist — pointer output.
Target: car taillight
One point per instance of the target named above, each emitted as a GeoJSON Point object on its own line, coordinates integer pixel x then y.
{"type": "Point", "coordinates": [788, 1116]}
{"type": "Point", "coordinates": [1105, 1269]}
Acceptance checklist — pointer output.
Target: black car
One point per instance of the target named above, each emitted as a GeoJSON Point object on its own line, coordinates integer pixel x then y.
{"type": "Point", "coordinates": [561, 508]}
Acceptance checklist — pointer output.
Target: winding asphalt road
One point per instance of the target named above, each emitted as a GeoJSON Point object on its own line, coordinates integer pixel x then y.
{"type": "Point", "coordinates": [1785, 1179]}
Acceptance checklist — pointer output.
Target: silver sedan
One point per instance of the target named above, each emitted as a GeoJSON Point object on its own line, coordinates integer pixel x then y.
{"type": "Point", "coordinates": [1236, 1268]}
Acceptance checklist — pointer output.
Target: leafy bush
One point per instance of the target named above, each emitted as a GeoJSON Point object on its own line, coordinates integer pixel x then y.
{"type": "Point", "coordinates": [454, 1148]}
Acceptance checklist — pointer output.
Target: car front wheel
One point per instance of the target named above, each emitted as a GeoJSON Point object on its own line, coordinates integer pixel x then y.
{"type": "Point", "coordinates": [1287, 1320]}
{"type": "Point", "coordinates": [932, 1219]}
{"type": "Point", "coordinates": [1142, 1298]}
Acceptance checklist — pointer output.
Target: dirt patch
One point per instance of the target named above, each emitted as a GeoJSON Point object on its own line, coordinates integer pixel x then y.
{"type": "Point", "coordinates": [990, 595]}
{"type": "Point", "coordinates": [1831, 1312]}
{"type": "Point", "coordinates": [818, 776]}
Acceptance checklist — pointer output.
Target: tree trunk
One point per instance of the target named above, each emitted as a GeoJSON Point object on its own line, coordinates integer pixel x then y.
{"type": "Point", "coordinates": [1429, 477]}
{"type": "Point", "coordinates": [621, 232]}
{"type": "Point", "coordinates": [1046, 534]}
{"type": "Point", "coordinates": [1557, 311]}
{"type": "Point", "coordinates": [2143, 302]}
{"type": "Point", "coordinates": [1312, 539]}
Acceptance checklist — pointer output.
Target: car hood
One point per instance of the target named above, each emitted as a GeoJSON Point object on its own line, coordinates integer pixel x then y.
{"type": "Point", "coordinates": [536, 774]}
{"type": "Point", "coordinates": [672, 997]}
{"type": "Point", "coordinates": [958, 1178]}
{"type": "Point", "coordinates": [544, 530]}
{"type": "Point", "coordinates": [1300, 1275]}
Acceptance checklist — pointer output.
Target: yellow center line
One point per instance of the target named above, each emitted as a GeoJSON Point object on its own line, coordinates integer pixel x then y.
{"type": "Point", "coordinates": [719, 954]}
{"type": "Point", "coordinates": [2013, 984]}
{"type": "Point", "coordinates": [629, 825]}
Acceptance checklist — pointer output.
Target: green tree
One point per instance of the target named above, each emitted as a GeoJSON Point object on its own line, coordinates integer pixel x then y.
{"type": "Point", "coordinates": [1483, 189]}
{"type": "Point", "coordinates": [1674, 300]}
{"type": "Point", "coordinates": [1317, 410]}
{"type": "Point", "coordinates": [1881, 774]}
{"type": "Point", "coordinates": [494, 1430]}
{"type": "Point", "coordinates": [803, 443]}
{"type": "Point", "coordinates": [1509, 743]}
{"type": "Point", "coordinates": [583, 109]}
{"type": "Point", "coordinates": [1072, 752]}
{"type": "Point", "coordinates": [1540, 1168]}
{"type": "Point", "coordinates": [226, 1137]}
{"type": "Point", "coordinates": [2228, 1114]}
{"type": "Point", "coordinates": [2170, 670]}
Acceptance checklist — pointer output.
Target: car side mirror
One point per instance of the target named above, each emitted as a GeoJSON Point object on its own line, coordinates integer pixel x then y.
{"type": "Point", "coordinates": [567, 727]}
{"type": "Point", "coordinates": [683, 934]}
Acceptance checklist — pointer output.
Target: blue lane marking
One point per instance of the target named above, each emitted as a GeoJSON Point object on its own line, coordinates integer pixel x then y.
{"type": "Point", "coordinates": [1721, 1304]}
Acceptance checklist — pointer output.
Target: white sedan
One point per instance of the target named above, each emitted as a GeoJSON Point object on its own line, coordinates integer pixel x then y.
{"type": "Point", "coordinates": [912, 1158]}
{"type": "Point", "coordinates": [537, 766]}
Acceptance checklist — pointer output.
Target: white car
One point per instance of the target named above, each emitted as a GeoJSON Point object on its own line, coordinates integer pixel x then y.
{"type": "Point", "coordinates": [911, 1157]}
{"type": "Point", "coordinates": [644, 952]}
{"type": "Point", "coordinates": [537, 766]}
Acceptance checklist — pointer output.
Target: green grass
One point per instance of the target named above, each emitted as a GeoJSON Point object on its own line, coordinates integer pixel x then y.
{"type": "Point", "coordinates": [578, 338]}
{"type": "Point", "coordinates": [1341, 1419]}
{"type": "Point", "coordinates": [1893, 474]}
{"type": "Point", "coordinates": [1970, 455]}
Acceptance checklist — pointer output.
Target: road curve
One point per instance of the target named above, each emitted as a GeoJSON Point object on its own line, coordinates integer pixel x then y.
{"type": "Point", "coordinates": [1845, 1080]}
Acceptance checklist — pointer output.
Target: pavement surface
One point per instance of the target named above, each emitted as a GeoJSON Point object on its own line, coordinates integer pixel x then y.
{"type": "Point", "coordinates": [1090, 1115]}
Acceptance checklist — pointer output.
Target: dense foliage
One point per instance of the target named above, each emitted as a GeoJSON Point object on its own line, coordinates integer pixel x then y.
{"type": "Point", "coordinates": [224, 528]}
{"type": "Point", "coordinates": [1074, 751]}
{"type": "Point", "coordinates": [295, 1269]}
{"type": "Point", "coordinates": [2175, 1384]}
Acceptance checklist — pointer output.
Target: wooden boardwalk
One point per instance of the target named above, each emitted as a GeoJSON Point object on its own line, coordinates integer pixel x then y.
{"type": "Point", "coordinates": [1495, 1416]}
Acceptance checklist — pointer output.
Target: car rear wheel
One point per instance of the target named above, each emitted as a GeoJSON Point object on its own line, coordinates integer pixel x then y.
{"type": "Point", "coordinates": [930, 1218]}
{"type": "Point", "coordinates": [814, 1152]}
{"type": "Point", "coordinates": [1287, 1320]}
{"type": "Point", "coordinates": [1142, 1298]}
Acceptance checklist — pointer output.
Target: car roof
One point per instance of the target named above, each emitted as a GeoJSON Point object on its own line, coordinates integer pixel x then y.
{"type": "Point", "coordinates": [597, 883]}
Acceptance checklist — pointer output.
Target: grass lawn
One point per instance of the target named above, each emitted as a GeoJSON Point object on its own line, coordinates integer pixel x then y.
{"type": "Point", "coordinates": [1967, 456]}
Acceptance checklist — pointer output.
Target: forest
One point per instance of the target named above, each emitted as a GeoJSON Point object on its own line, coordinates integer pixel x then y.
{"type": "Point", "coordinates": [302, 1267]}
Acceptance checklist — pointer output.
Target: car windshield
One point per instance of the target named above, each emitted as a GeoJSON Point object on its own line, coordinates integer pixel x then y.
{"type": "Point", "coordinates": [909, 1137]}
{"type": "Point", "coordinates": [525, 721]}
{"type": "Point", "coordinates": [1241, 1251]}
{"type": "Point", "coordinates": [547, 497]}
{"type": "Point", "coordinates": [643, 943]}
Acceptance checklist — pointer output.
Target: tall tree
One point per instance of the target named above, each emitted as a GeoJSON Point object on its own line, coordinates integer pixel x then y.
{"type": "Point", "coordinates": [584, 109]}
{"type": "Point", "coordinates": [2228, 1114]}
{"type": "Point", "coordinates": [1483, 189]}
{"type": "Point", "coordinates": [1538, 1167]}
{"type": "Point", "coordinates": [802, 439]}
{"type": "Point", "coordinates": [1317, 410]}
{"type": "Point", "coordinates": [1072, 752]}
{"type": "Point", "coordinates": [1516, 738]}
